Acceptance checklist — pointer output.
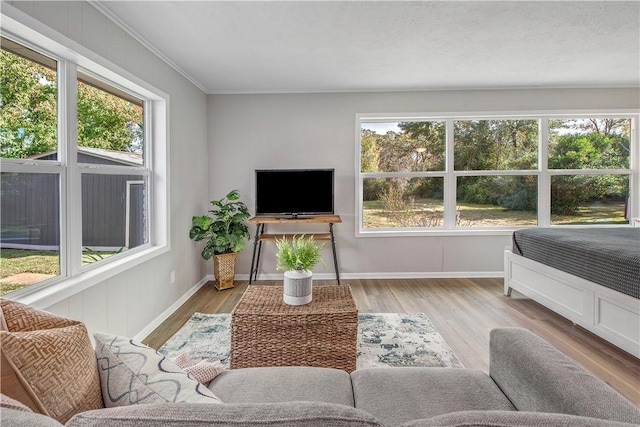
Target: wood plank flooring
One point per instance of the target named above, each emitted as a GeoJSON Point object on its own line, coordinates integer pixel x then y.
{"type": "Point", "coordinates": [463, 311]}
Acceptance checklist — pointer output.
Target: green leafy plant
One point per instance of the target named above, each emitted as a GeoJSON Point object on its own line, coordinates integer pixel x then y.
{"type": "Point", "coordinates": [224, 230]}
{"type": "Point", "coordinates": [299, 253]}
{"type": "Point", "coordinates": [89, 255]}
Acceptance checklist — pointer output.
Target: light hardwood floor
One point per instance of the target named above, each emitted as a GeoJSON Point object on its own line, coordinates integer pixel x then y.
{"type": "Point", "coordinates": [463, 311]}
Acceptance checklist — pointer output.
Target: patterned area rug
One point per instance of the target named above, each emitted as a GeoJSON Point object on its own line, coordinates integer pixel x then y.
{"type": "Point", "coordinates": [384, 340]}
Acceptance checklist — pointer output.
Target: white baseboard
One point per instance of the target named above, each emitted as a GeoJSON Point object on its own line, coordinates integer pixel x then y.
{"type": "Point", "coordinates": [390, 275]}
{"type": "Point", "coordinates": [140, 336]}
{"type": "Point", "coordinates": [425, 275]}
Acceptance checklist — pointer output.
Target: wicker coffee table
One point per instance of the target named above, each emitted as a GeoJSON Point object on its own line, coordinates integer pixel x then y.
{"type": "Point", "coordinates": [267, 332]}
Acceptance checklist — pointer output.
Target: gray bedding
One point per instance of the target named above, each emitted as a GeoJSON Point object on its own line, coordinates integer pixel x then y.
{"type": "Point", "coordinates": [607, 256]}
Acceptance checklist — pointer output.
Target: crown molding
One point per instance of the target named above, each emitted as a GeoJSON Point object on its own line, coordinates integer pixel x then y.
{"type": "Point", "coordinates": [106, 12]}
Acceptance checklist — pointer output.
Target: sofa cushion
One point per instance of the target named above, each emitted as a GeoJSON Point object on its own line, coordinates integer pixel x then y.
{"type": "Point", "coordinates": [399, 395]}
{"type": "Point", "coordinates": [15, 418]}
{"type": "Point", "coordinates": [512, 419]}
{"type": "Point", "coordinates": [283, 414]}
{"type": "Point", "coordinates": [48, 362]}
{"type": "Point", "coordinates": [281, 384]}
{"type": "Point", "coordinates": [537, 377]}
{"type": "Point", "coordinates": [132, 373]}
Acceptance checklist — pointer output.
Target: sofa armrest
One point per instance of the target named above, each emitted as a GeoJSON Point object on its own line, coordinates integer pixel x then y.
{"type": "Point", "coordinates": [537, 377]}
{"type": "Point", "coordinates": [289, 414]}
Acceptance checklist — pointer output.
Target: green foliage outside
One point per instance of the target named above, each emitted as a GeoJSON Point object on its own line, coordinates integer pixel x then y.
{"type": "Point", "coordinates": [108, 122]}
{"type": "Point", "coordinates": [592, 150]}
{"type": "Point", "coordinates": [299, 253]}
{"type": "Point", "coordinates": [502, 145]}
{"type": "Point", "coordinates": [224, 229]}
{"type": "Point", "coordinates": [28, 113]}
{"type": "Point", "coordinates": [90, 256]}
{"type": "Point", "coordinates": [28, 107]}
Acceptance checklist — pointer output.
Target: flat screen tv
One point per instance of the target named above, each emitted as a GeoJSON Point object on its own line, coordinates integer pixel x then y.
{"type": "Point", "coordinates": [294, 192]}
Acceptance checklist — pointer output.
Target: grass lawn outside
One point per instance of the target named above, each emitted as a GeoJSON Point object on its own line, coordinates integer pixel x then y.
{"type": "Point", "coordinates": [17, 261]}
{"type": "Point", "coordinates": [598, 213]}
{"type": "Point", "coordinates": [45, 263]}
{"type": "Point", "coordinates": [423, 212]}
{"type": "Point", "coordinates": [478, 215]}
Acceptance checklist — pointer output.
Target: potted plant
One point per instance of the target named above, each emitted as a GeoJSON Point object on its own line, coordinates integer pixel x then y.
{"type": "Point", "coordinates": [225, 233]}
{"type": "Point", "coordinates": [296, 257]}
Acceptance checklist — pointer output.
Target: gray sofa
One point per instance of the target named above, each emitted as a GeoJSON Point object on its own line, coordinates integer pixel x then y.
{"type": "Point", "coordinates": [530, 383]}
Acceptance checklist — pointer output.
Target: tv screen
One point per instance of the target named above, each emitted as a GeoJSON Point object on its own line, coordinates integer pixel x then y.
{"type": "Point", "coordinates": [283, 192]}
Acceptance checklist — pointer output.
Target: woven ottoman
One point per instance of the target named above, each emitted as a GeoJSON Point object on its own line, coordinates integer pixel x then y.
{"type": "Point", "coordinates": [267, 332]}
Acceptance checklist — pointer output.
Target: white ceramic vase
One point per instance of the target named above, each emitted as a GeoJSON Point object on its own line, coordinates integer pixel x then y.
{"type": "Point", "coordinates": [297, 287]}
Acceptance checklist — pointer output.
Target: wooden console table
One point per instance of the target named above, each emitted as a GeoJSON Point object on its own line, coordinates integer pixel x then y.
{"type": "Point", "coordinates": [261, 236]}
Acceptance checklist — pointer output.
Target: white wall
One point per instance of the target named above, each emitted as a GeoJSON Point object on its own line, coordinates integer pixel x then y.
{"type": "Point", "coordinates": [127, 303]}
{"type": "Point", "coordinates": [248, 132]}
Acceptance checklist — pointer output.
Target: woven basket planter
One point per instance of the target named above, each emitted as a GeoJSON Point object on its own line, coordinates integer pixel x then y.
{"type": "Point", "coordinates": [224, 270]}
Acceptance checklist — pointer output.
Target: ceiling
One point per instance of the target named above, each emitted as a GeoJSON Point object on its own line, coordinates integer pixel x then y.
{"type": "Point", "coordinates": [343, 46]}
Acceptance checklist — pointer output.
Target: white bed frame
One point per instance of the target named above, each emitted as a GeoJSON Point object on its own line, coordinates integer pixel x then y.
{"type": "Point", "coordinates": [609, 314]}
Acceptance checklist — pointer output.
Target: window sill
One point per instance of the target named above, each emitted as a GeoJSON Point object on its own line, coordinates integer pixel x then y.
{"type": "Point", "coordinates": [67, 287]}
{"type": "Point", "coordinates": [507, 231]}
{"type": "Point", "coordinates": [434, 233]}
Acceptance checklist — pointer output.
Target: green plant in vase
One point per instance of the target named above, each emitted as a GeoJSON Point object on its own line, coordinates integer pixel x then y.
{"type": "Point", "coordinates": [225, 233]}
{"type": "Point", "coordinates": [296, 257]}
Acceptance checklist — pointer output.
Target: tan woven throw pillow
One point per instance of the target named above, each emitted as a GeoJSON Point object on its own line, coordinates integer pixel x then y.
{"type": "Point", "coordinates": [48, 362]}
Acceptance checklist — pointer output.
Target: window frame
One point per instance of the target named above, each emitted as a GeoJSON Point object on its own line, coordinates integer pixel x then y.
{"type": "Point", "coordinates": [145, 170]}
{"type": "Point", "coordinates": [450, 175]}
{"type": "Point", "coordinates": [72, 57]}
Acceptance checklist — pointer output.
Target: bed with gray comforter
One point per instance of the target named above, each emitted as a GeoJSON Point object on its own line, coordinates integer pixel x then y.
{"type": "Point", "coordinates": [607, 256]}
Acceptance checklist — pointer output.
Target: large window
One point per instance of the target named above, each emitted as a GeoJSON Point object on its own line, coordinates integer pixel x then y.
{"type": "Point", "coordinates": [469, 173]}
{"type": "Point", "coordinates": [76, 168]}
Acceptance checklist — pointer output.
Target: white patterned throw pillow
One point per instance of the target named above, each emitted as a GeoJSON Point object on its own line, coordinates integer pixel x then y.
{"type": "Point", "coordinates": [132, 373]}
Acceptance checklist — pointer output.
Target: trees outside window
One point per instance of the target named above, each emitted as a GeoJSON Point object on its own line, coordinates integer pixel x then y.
{"type": "Point", "coordinates": [29, 102]}
{"type": "Point", "coordinates": [29, 119]}
{"type": "Point", "coordinates": [108, 121]}
{"type": "Point", "coordinates": [468, 173]}
{"type": "Point", "coordinates": [578, 146]}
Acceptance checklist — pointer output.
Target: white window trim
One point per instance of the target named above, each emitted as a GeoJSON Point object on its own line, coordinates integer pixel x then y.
{"type": "Point", "coordinates": [542, 172]}
{"type": "Point", "coordinates": [32, 33]}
